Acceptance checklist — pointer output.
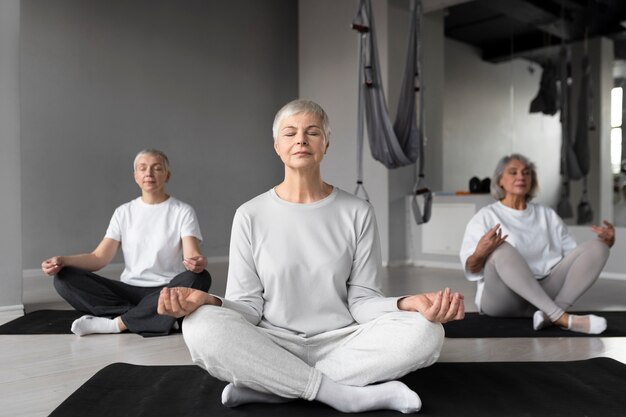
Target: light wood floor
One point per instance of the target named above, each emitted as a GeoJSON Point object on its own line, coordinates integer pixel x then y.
{"type": "Point", "coordinates": [38, 372]}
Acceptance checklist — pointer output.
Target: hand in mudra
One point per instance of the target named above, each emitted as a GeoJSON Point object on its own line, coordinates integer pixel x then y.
{"type": "Point", "coordinates": [438, 307]}
{"type": "Point", "coordinates": [181, 301]}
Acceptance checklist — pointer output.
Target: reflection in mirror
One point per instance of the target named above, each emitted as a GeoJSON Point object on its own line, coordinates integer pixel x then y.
{"type": "Point", "coordinates": [485, 126]}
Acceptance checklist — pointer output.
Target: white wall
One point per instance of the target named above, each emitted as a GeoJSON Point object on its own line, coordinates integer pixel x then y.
{"type": "Point", "coordinates": [486, 117]}
{"type": "Point", "coordinates": [401, 180]}
{"type": "Point", "coordinates": [101, 80]}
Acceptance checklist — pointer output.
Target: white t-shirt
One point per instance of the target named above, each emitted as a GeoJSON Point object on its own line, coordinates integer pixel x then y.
{"type": "Point", "coordinates": [151, 237]}
{"type": "Point", "coordinates": [537, 232]}
{"type": "Point", "coordinates": [306, 268]}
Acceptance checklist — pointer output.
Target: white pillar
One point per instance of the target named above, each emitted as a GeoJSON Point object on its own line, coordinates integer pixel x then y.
{"type": "Point", "coordinates": [10, 162]}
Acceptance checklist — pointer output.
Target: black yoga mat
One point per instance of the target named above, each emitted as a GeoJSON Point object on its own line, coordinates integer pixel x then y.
{"type": "Point", "coordinates": [47, 322]}
{"type": "Point", "coordinates": [590, 388]}
{"type": "Point", "coordinates": [42, 322]}
{"type": "Point", "coordinates": [479, 325]}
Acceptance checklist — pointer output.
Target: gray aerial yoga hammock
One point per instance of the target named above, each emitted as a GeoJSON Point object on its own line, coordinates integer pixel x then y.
{"type": "Point", "coordinates": [403, 143]}
{"type": "Point", "coordinates": [585, 123]}
{"type": "Point", "coordinates": [564, 208]}
{"type": "Point", "coordinates": [575, 160]}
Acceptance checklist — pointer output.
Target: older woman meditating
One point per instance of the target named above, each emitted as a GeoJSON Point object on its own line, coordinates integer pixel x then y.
{"type": "Point", "coordinates": [303, 315]}
{"type": "Point", "coordinates": [159, 236]}
{"type": "Point", "coordinates": [523, 258]}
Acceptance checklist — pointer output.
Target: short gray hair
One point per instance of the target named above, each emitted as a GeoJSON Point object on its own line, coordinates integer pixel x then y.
{"type": "Point", "coordinates": [302, 106]}
{"type": "Point", "coordinates": [497, 192]}
{"type": "Point", "coordinates": [153, 152]}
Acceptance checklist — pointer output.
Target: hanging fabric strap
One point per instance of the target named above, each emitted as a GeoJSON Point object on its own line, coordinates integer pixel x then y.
{"type": "Point", "coordinates": [361, 24]}
{"type": "Point", "coordinates": [584, 120]}
{"type": "Point", "coordinates": [402, 143]}
{"type": "Point", "coordinates": [585, 123]}
{"type": "Point", "coordinates": [420, 188]}
{"type": "Point", "coordinates": [564, 207]}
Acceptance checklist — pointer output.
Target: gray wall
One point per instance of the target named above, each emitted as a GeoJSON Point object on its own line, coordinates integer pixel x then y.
{"type": "Point", "coordinates": [100, 80]}
{"type": "Point", "coordinates": [202, 80]}
{"type": "Point", "coordinates": [10, 220]}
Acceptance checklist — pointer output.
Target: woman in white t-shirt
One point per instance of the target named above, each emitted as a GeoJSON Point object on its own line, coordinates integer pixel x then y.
{"type": "Point", "coordinates": [159, 237]}
{"type": "Point", "coordinates": [523, 258]}
{"type": "Point", "coordinates": [304, 315]}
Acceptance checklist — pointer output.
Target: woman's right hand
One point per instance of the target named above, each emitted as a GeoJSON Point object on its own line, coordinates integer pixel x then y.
{"type": "Point", "coordinates": [486, 245]}
{"type": "Point", "coordinates": [52, 266]}
{"type": "Point", "coordinates": [490, 241]}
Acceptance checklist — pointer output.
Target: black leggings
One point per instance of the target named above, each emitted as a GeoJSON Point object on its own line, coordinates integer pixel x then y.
{"type": "Point", "coordinates": [136, 306]}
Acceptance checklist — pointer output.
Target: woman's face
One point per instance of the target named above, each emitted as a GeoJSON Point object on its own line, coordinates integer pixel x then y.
{"type": "Point", "coordinates": [150, 173]}
{"type": "Point", "coordinates": [300, 142]}
{"type": "Point", "coordinates": [516, 179]}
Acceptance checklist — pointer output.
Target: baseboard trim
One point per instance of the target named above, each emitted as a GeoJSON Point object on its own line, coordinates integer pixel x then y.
{"type": "Point", "coordinates": [613, 275]}
{"type": "Point", "coordinates": [437, 264]}
{"type": "Point", "coordinates": [457, 266]}
{"type": "Point", "coordinates": [398, 262]}
{"type": "Point", "coordinates": [8, 313]}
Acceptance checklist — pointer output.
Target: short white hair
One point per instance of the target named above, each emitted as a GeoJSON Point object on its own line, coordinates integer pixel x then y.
{"type": "Point", "coordinates": [302, 106]}
{"type": "Point", "coordinates": [153, 152]}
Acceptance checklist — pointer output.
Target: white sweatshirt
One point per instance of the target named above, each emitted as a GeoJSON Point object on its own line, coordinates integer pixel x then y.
{"type": "Point", "coordinates": [306, 268]}
{"type": "Point", "coordinates": [537, 232]}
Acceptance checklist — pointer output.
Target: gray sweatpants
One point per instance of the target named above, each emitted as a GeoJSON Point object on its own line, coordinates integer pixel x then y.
{"type": "Point", "coordinates": [230, 348]}
{"type": "Point", "coordinates": [511, 290]}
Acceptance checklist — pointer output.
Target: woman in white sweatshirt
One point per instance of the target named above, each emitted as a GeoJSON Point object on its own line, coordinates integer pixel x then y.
{"type": "Point", "coordinates": [524, 260]}
{"type": "Point", "coordinates": [303, 315]}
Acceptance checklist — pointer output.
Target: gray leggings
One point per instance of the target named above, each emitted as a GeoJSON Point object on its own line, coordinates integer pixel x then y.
{"type": "Point", "coordinates": [230, 348]}
{"type": "Point", "coordinates": [511, 290]}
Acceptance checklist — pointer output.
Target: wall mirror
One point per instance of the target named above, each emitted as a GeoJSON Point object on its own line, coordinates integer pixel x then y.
{"type": "Point", "coordinates": [555, 38]}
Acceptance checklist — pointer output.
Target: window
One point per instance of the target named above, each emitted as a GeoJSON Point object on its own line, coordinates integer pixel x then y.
{"type": "Point", "coordinates": [616, 129]}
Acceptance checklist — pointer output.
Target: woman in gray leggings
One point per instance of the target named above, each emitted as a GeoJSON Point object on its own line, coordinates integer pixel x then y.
{"type": "Point", "coordinates": [523, 258]}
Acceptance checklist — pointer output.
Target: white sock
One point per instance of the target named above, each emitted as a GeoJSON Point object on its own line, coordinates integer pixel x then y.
{"type": "Point", "coordinates": [590, 324]}
{"type": "Point", "coordinates": [540, 320]}
{"type": "Point", "coordinates": [233, 396]}
{"type": "Point", "coordinates": [393, 395]}
{"type": "Point", "coordinates": [91, 324]}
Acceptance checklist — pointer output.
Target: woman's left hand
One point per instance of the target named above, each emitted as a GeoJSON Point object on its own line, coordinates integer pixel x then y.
{"type": "Point", "coordinates": [438, 307]}
{"type": "Point", "coordinates": [606, 232]}
{"type": "Point", "coordinates": [195, 263]}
